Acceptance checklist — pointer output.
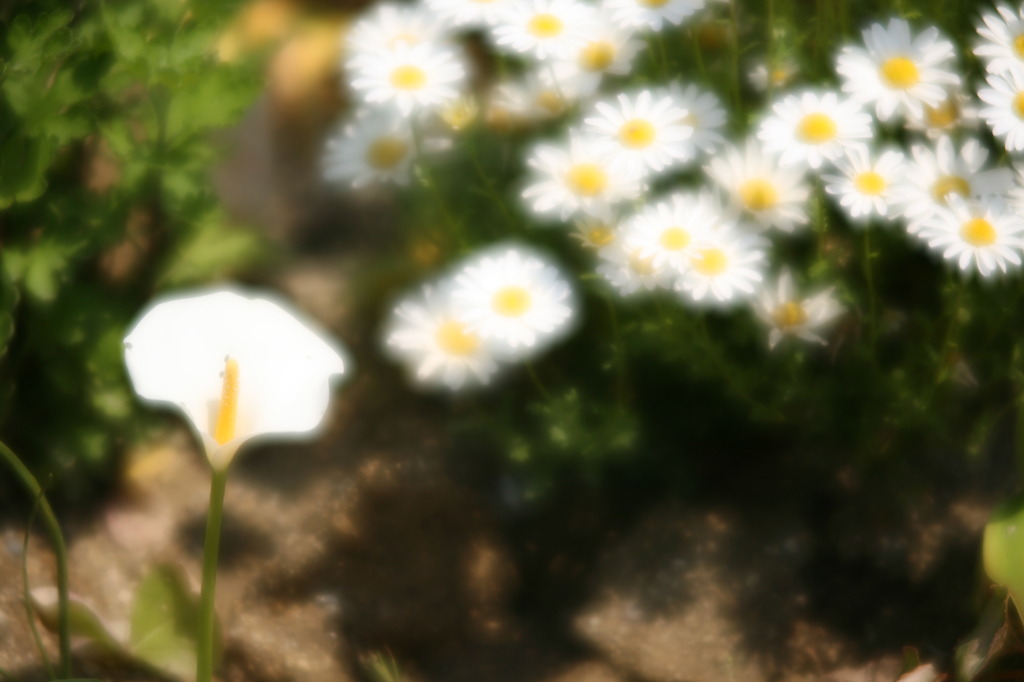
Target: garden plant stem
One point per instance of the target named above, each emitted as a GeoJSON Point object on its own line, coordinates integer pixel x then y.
{"type": "Point", "coordinates": [204, 641]}
{"type": "Point", "coordinates": [59, 553]}
{"type": "Point", "coordinates": [872, 302]}
{"type": "Point", "coordinates": [29, 610]}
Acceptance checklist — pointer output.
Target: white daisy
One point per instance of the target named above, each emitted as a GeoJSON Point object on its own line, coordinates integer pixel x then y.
{"type": "Point", "coordinates": [388, 25]}
{"type": "Point", "coordinates": [641, 133]}
{"type": "Point", "coordinates": [573, 178]}
{"type": "Point", "coordinates": [982, 235]}
{"type": "Point", "coordinates": [625, 267]}
{"type": "Point", "coordinates": [1005, 111]}
{"type": "Point", "coordinates": [867, 183]}
{"type": "Point", "coordinates": [411, 77]}
{"type": "Point", "coordinates": [758, 187]}
{"type": "Point", "coordinates": [898, 71]}
{"type": "Point", "coordinates": [514, 297]}
{"type": "Point", "coordinates": [425, 333]}
{"type": "Point", "coordinates": [704, 115]}
{"type": "Point", "coordinates": [1002, 32]}
{"type": "Point", "coordinates": [935, 174]}
{"type": "Point", "coordinates": [533, 98]}
{"type": "Point", "coordinates": [607, 48]}
{"type": "Point", "coordinates": [726, 267]}
{"type": "Point", "coordinates": [468, 14]}
{"type": "Point", "coordinates": [375, 147]}
{"type": "Point", "coordinates": [543, 28]}
{"type": "Point", "coordinates": [786, 314]}
{"type": "Point", "coordinates": [958, 111]}
{"type": "Point", "coordinates": [650, 14]}
{"type": "Point", "coordinates": [594, 232]}
{"type": "Point", "coordinates": [812, 127]}
{"type": "Point", "coordinates": [1015, 195]}
{"type": "Point", "coordinates": [775, 76]}
{"type": "Point", "coordinates": [670, 232]}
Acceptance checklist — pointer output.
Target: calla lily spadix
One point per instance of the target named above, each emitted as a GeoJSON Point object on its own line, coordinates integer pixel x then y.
{"type": "Point", "coordinates": [239, 367]}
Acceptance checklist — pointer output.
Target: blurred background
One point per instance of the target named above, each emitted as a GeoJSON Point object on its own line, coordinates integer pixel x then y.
{"type": "Point", "coordinates": [705, 512]}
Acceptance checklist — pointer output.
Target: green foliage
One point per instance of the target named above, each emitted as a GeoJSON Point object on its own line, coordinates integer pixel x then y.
{"type": "Point", "coordinates": [1003, 548]}
{"type": "Point", "coordinates": [83, 623]}
{"type": "Point", "coordinates": [163, 627]}
{"type": "Point", "coordinates": [164, 623]}
{"type": "Point", "coordinates": [107, 113]}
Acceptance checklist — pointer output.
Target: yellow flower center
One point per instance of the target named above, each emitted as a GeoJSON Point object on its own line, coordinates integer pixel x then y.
{"type": "Point", "coordinates": [637, 133]}
{"type": "Point", "coordinates": [978, 232]}
{"type": "Point", "coordinates": [551, 101]}
{"type": "Point", "coordinates": [545, 25]}
{"type": "Point", "coordinates": [675, 239]}
{"type": "Point", "coordinates": [789, 315]}
{"type": "Point", "coordinates": [599, 235]}
{"type": "Point", "coordinates": [870, 183]}
{"type": "Point", "coordinates": [460, 112]}
{"type": "Point", "coordinates": [900, 73]}
{"type": "Point", "coordinates": [641, 265]}
{"type": "Point", "coordinates": [948, 184]}
{"type": "Point", "coordinates": [779, 76]}
{"type": "Point", "coordinates": [511, 301]}
{"type": "Point", "coordinates": [586, 179]}
{"type": "Point", "coordinates": [1018, 45]}
{"type": "Point", "coordinates": [408, 77]}
{"type": "Point", "coordinates": [758, 194]}
{"type": "Point", "coordinates": [227, 412]}
{"type": "Point", "coordinates": [816, 128]}
{"type": "Point", "coordinates": [653, 4]}
{"type": "Point", "coordinates": [711, 262]}
{"type": "Point", "coordinates": [944, 115]}
{"type": "Point", "coordinates": [385, 153]}
{"type": "Point", "coordinates": [1018, 104]}
{"type": "Point", "coordinates": [453, 338]}
{"type": "Point", "coordinates": [597, 55]}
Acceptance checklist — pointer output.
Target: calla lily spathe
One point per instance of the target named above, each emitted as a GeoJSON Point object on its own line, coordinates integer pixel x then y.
{"type": "Point", "coordinates": [238, 366]}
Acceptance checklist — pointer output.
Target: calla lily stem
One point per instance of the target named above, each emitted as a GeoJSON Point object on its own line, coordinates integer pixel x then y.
{"type": "Point", "coordinates": [59, 552]}
{"type": "Point", "coordinates": [207, 617]}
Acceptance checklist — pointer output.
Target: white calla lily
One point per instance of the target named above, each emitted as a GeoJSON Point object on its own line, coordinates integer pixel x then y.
{"type": "Point", "coordinates": [237, 366]}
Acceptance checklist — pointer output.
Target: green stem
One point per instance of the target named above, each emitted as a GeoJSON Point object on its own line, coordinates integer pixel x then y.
{"type": "Point", "coordinates": [537, 382]}
{"type": "Point", "coordinates": [1020, 435]}
{"type": "Point", "coordinates": [25, 586]}
{"type": "Point", "coordinates": [734, 19]}
{"type": "Point", "coordinates": [204, 644]}
{"type": "Point", "coordinates": [620, 354]}
{"type": "Point", "coordinates": [698, 57]}
{"type": "Point", "coordinates": [949, 339]}
{"type": "Point", "coordinates": [659, 42]}
{"type": "Point", "coordinates": [59, 552]}
{"type": "Point", "coordinates": [872, 301]}
{"type": "Point", "coordinates": [491, 191]}
{"type": "Point", "coordinates": [429, 179]}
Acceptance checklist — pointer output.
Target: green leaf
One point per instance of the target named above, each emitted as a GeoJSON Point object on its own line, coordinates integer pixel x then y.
{"type": "Point", "coordinates": [1003, 548]}
{"type": "Point", "coordinates": [8, 301]}
{"type": "Point", "coordinates": [23, 164]}
{"type": "Point", "coordinates": [83, 623]}
{"type": "Point", "coordinates": [165, 621]}
{"type": "Point", "coordinates": [213, 250]}
{"type": "Point", "coordinates": [46, 270]}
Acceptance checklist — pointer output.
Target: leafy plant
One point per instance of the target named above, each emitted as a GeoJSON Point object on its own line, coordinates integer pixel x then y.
{"type": "Point", "coordinates": [107, 116]}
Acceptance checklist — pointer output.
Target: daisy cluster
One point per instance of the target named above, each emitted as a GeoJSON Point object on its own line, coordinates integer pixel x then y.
{"type": "Point", "coordinates": [645, 176]}
{"type": "Point", "coordinates": [505, 304]}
